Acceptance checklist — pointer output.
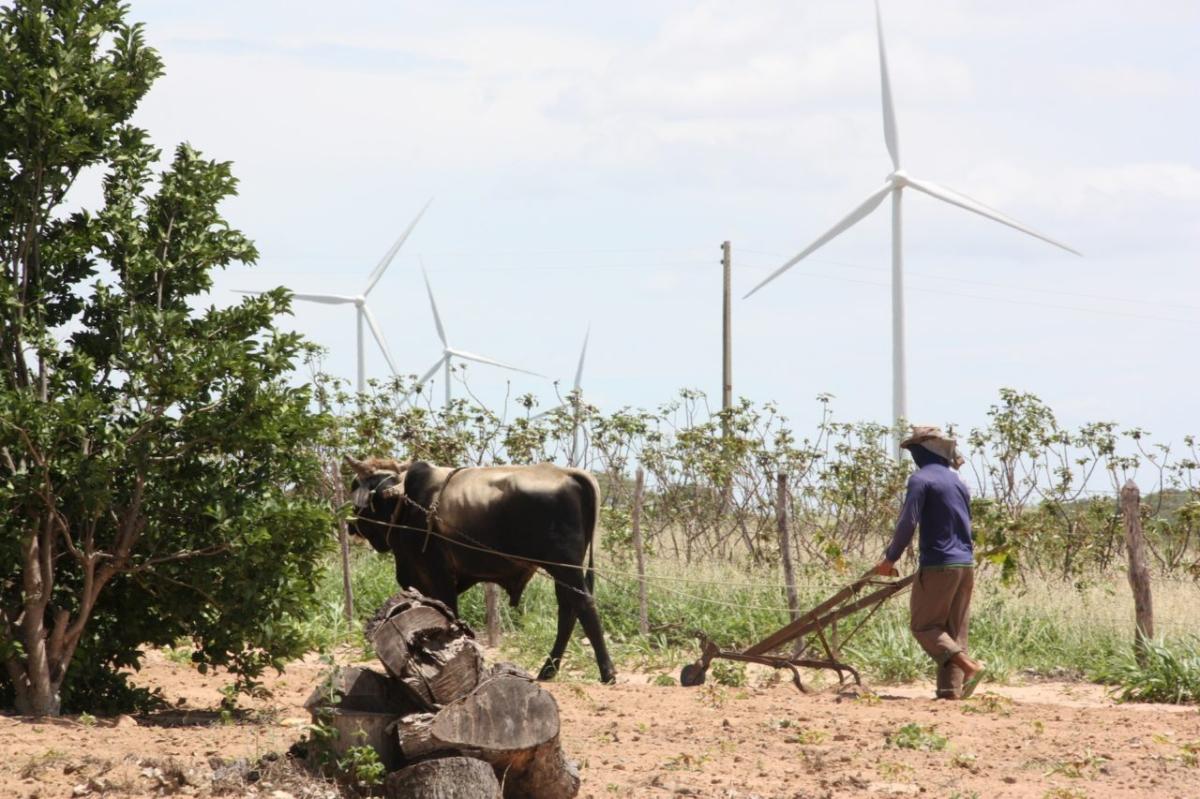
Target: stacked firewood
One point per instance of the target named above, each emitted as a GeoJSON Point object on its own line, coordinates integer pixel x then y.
{"type": "Point", "coordinates": [445, 724]}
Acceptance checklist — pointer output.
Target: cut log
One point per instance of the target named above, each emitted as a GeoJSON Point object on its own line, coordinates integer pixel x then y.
{"type": "Point", "coordinates": [414, 733]}
{"type": "Point", "coordinates": [447, 778]}
{"type": "Point", "coordinates": [427, 650]}
{"type": "Point", "coordinates": [512, 723]}
{"type": "Point", "coordinates": [360, 705]}
{"type": "Point", "coordinates": [356, 688]}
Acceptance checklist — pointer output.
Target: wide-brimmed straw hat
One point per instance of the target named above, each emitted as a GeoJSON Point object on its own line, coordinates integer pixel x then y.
{"type": "Point", "coordinates": [933, 439]}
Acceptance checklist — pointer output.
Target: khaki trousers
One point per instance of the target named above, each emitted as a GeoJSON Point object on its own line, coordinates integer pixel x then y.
{"type": "Point", "coordinates": [940, 608]}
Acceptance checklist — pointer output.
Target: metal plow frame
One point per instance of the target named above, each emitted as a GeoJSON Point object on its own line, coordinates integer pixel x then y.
{"type": "Point", "coordinates": [827, 614]}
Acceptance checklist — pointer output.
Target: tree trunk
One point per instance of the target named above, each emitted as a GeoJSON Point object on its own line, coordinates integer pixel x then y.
{"type": "Point", "coordinates": [447, 778]}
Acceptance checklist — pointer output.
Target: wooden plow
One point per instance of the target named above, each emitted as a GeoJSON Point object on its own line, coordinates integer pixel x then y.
{"type": "Point", "coordinates": [825, 615]}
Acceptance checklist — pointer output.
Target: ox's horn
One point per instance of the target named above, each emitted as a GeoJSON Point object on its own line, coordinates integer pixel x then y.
{"type": "Point", "coordinates": [360, 468]}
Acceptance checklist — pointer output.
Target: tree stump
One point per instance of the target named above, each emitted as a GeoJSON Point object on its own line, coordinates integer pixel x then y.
{"type": "Point", "coordinates": [447, 778]}
{"type": "Point", "coordinates": [508, 721]}
{"type": "Point", "coordinates": [427, 650]}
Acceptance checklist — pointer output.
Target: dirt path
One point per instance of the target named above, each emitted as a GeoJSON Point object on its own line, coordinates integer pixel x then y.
{"type": "Point", "coordinates": [1061, 741]}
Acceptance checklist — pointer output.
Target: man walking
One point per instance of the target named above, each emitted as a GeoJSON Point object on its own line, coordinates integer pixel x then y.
{"type": "Point", "coordinates": [938, 502]}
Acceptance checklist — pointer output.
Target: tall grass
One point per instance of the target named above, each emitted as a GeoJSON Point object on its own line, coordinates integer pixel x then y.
{"type": "Point", "coordinates": [1049, 629]}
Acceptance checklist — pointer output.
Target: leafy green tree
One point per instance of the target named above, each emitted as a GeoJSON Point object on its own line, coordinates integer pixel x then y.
{"type": "Point", "coordinates": [153, 458]}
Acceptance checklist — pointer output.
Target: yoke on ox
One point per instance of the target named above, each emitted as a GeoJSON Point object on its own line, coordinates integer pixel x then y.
{"type": "Point", "coordinates": [448, 529]}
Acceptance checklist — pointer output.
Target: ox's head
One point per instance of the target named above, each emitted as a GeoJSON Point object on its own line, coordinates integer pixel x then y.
{"type": "Point", "coordinates": [377, 488]}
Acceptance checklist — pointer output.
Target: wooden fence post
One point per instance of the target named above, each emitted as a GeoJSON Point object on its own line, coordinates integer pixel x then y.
{"type": "Point", "coordinates": [339, 493]}
{"type": "Point", "coordinates": [491, 599]}
{"type": "Point", "coordinates": [785, 544]}
{"type": "Point", "coordinates": [636, 524]}
{"type": "Point", "coordinates": [1139, 573]}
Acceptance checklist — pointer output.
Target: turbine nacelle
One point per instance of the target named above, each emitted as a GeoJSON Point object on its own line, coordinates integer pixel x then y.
{"type": "Point", "coordinates": [898, 178]}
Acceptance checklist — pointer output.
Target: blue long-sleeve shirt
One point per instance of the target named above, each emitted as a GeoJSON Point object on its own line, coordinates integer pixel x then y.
{"type": "Point", "coordinates": [940, 504]}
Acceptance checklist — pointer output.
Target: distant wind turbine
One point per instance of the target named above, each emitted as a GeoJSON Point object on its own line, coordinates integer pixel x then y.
{"type": "Point", "coordinates": [576, 395]}
{"type": "Point", "coordinates": [894, 185]}
{"type": "Point", "coordinates": [449, 353]}
{"type": "Point", "coordinates": [360, 302]}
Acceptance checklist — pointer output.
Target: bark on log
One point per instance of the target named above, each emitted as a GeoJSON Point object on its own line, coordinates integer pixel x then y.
{"type": "Point", "coordinates": [512, 723]}
{"type": "Point", "coordinates": [447, 778]}
{"type": "Point", "coordinates": [432, 654]}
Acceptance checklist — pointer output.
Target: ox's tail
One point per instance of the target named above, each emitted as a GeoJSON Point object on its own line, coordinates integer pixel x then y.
{"type": "Point", "coordinates": [589, 491]}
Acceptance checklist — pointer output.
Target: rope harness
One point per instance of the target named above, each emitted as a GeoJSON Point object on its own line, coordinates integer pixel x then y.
{"type": "Point", "coordinates": [431, 513]}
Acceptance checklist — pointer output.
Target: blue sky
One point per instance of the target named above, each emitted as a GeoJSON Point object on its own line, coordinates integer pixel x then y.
{"type": "Point", "coordinates": [588, 160]}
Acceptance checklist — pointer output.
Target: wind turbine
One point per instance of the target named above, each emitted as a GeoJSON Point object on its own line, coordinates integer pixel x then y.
{"type": "Point", "coordinates": [363, 312]}
{"type": "Point", "coordinates": [449, 353]}
{"type": "Point", "coordinates": [576, 397]}
{"type": "Point", "coordinates": [894, 185]}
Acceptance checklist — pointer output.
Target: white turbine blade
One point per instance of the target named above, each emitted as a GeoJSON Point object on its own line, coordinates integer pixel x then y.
{"type": "Point", "coordinates": [976, 207]}
{"type": "Point", "coordinates": [437, 319]}
{"type": "Point", "coordinates": [470, 356]}
{"type": "Point", "coordinates": [889, 109]}
{"type": "Point", "coordinates": [391, 253]}
{"type": "Point", "coordinates": [378, 334]}
{"type": "Point", "coordinates": [326, 299]}
{"type": "Point", "coordinates": [867, 206]}
{"type": "Point", "coordinates": [432, 370]}
{"type": "Point", "coordinates": [582, 356]}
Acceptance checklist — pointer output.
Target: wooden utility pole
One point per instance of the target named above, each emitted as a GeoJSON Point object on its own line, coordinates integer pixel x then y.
{"type": "Point", "coordinates": [636, 523]}
{"type": "Point", "coordinates": [727, 331]}
{"type": "Point", "coordinates": [1139, 572]}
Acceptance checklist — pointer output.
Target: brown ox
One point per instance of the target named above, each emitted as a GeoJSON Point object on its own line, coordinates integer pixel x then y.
{"type": "Point", "coordinates": [495, 524]}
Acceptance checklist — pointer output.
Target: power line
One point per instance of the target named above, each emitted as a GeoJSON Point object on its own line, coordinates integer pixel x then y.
{"type": "Point", "coordinates": [984, 282]}
{"type": "Point", "coordinates": [1032, 303]}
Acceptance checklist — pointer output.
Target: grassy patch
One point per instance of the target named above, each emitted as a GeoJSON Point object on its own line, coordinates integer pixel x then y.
{"type": "Point", "coordinates": [1170, 673]}
{"type": "Point", "coordinates": [1049, 628]}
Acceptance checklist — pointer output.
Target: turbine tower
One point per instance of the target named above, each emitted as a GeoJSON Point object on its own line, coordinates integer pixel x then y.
{"type": "Point", "coordinates": [576, 394]}
{"type": "Point", "coordinates": [894, 186]}
{"type": "Point", "coordinates": [449, 353]}
{"type": "Point", "coordinates": [362, 311]}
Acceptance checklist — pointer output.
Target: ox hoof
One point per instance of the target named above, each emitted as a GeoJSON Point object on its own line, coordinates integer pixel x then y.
{"type": "Point", "coordinates": [549, 670]}
{"type": "Point", "coordinates": [609, 679]}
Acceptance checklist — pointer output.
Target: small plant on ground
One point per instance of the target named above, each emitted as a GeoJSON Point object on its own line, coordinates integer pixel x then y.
{"type": "Point", "coordinates": [665, 680]}
{"type": "Point", "coordinates": [361, 769]}
{"type": "Point", "coordinates": [729, 673]}
{"type": "Point", "coordinates": [806, 737]}
{"type": "Point", "coordinates": [988, 703]}
{"type": "Point", "coordinates": [714, 696]}
{"type": "Point", "coordinates": [967, 760]}
{"type": "Point", "coordinates": [916, 736]}
{"type": "Point", "coordinates": [1064, 793]}
{"type": "Point", "coordinates": [893, 770]}
{"type": "Point", "coordinates": [685, 762]}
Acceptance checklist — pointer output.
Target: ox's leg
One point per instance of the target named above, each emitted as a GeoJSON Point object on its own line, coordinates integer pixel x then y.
{"type": "Point", "coordinates": [567, 614]}
{"type": "Point", "coordinates": [571, 581]}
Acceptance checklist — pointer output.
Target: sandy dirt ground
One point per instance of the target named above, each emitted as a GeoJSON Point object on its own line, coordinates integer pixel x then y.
{"type": "Point", "coordinates": [1045, 740]}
